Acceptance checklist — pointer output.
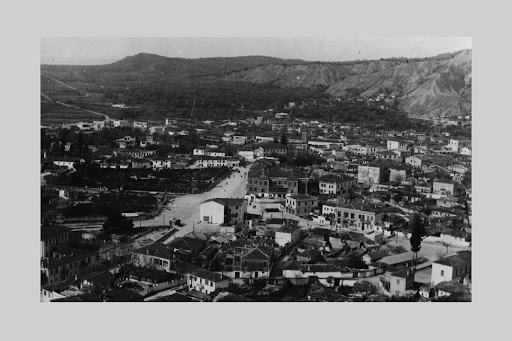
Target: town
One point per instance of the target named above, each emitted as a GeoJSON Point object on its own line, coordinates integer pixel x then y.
{"type": "Point", "coordinates": [267, 207]}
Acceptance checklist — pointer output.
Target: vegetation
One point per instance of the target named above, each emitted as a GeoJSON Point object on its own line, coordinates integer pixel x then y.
{"type": "Point", "coordinates": [117, 224]}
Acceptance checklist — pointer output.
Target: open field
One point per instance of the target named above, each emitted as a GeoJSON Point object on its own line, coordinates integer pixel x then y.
{"type": "Point", "coordinates": [53, 113]}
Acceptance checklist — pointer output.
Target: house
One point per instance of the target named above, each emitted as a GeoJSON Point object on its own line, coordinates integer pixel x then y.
{"type": "Point", "coordinates": [419, 160]}
{"type": "Point", "coordinates": [374, 172]}
{"type": "Point", "coordinates": [160, 163]}
{"type": "Point", "coordinates": [287, 234]}
{"type": "Point", "coordinates": [456, 145]}
{"type": "Point", "coordinates": [140, 125]}
{"type": "Point", "coordinates": [246, 154]}
{"type": "Point", "coordinates": [445, 187]}
{"type": "Point", "coordinates": [399, 173]}
{"type": "Point", "coordinates": [427, 290]}
{"type": "Point", "coordinates": [141, 164]}
{"type": "Point", "coordinates": [397, 282]}
{"type": "Point", "coordinates": [396, 144]}
{"type": "Point", "coordinates": [206, 281]}
{"type": "Point", "coordinates": [67, 162]}
{"type": "Point", "coordinates": [387, 155]}
{"type": "Point", "coordinates": [451, 268]}
{"type": "Point", "coordinates": [155, 255]}
{"type": "Point", "coordinates": [465, 151]}
{"type": "Point", "coordinates": [275, 182]}
{"type": "Point", "coordinates": [254, 262]}
{"type": "Point", "coordinates": [52, 236]}
{"type": "Point", "coordinates": [300, 204]}
{"type": "Point", "coordinates": [228, 211]}
{"type": "Point", "coordinates": [334, 184]}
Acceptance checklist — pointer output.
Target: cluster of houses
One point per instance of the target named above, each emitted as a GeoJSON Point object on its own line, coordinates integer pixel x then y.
{"type": "Point", "coordinates": [324, 224]}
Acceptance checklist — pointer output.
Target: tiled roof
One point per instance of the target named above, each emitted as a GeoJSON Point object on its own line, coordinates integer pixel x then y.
{"type": "Point", "coordinates": [48, 232]}
{"type": "Point", "coordinates": [461, 258]}
{"type": "Point", "coordinates": [208, 275]}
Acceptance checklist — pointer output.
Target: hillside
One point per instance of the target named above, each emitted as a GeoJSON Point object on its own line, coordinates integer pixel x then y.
{"type": "Point", "coordinates": [428, 87]}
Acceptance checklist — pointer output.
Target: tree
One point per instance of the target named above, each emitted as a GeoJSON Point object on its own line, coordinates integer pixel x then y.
{"type": "Point", "coordinates": [117, 223]}
{"type": "Point", "coordinates": [284, 140]}
{"type": "Point", "coordinates": [418, 232]}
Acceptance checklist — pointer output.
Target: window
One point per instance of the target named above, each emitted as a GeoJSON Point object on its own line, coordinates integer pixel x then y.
{"type": "Point", "coordinates": [442, 272]}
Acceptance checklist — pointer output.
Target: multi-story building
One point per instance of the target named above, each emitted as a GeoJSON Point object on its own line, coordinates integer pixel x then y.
{"type": "Point", "coordinates": [206, 281]}
{"type": "Point", "coordinates": [334, 184]}
{"type": "Point", "coordinates": [445, 187]}
{"type": "Point", "coordinates": [52, 236]}
{"type": "Point", "coordinates": [276, 182]}
{"type": "Point", "coordinates": [300, 204]}
{"type": "Point", "coordinates": [140, 125]}
{"type": "Point", "coordinates": [456, 145]}
{"type": "Point", "coordinates": [375, 172]}
{"type": "Point", "coordinates": [357, 216]}
{"type": "Point", "coordinates": [68, 263]}
{"type": "Point", "coordinates": [227, 211]}
{"type": "Point", "coordinates": [269, 149]}
{"type": "Point", "coordinates": [216, 161]}
{"type": "Point", "coordinates": [396, 144]}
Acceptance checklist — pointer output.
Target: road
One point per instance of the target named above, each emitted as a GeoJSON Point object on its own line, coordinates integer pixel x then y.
{"type": "Point", "coordinates": [186, 207]}
{"type": "Point", "coordinates": [69, 105]}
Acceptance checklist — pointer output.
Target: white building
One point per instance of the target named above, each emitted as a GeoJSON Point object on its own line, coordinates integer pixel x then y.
{"type": "Point", "coordinates": [206, 281]}
{"type": "Point", "coordinates": [287, 234]}
{"type": "Point", "coordinates": [451, 268]}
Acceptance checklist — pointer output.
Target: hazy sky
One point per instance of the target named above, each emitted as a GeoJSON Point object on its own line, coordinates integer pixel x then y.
{"type": "Point", "coordinates": [105, 50]}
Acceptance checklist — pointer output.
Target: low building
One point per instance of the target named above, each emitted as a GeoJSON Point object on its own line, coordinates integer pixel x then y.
{"type": "Point", "coordinates": [287, 234]}
{"type": "Point", "coordinates": [52, 236]}
{"type": "Point", "coordinates": [451, 268]}
{"type": "Point", "coordinates": [228, 211]}
{"type": "Point", "coordinates": [270, 149]}
{"type": "Point", "coordinates": [206, 281]}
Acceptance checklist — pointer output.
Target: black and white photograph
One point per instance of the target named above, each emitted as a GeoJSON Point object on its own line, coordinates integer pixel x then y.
{"type": "Point", "coordinates": [266, 169]}
{"type": "Point", "coordinates": [305, 169]}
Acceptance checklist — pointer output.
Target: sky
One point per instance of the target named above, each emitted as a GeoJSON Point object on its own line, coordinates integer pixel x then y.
{"type": "Point", "coordinates": [68, 50]}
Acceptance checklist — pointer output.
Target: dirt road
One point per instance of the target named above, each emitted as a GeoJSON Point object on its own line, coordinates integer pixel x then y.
{"type": "Point", "coordinates": [186, 208]}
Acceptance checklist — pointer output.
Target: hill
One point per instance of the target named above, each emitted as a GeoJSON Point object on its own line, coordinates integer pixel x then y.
{"type": "Point", "coordinates": [426, 87]}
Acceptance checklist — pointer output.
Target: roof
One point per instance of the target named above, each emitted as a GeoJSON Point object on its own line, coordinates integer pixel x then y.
{"type": "Point", "coordinates": [186, 243]}
{"type": "Point", "coordinates": [335, 178]}
{"type": "Point", "coordinates": [148, 273]}
{"type": "Point", "coordinates": [460, 258]}
{"type": "Point", "coordinates": [288, 228]}
{"type": "Point", "coordinates": [400, 258]}
{"type": "Point", "coordinates": [227, 201]}
{"type": "Point", "coordinates": [303, 197]}
{"type": "Point", "coordinates": [273, 145]}
{"type": "Point", "coordinates": [75, 255]}
{"type": "Point", "coordinates": [48, 232]}
{"type": "Point", "coordinates": [256, 253]}
{"type": "Point", "coordinates": [208, 275]}
{"type": "Point", "coordinates": [156, 249]}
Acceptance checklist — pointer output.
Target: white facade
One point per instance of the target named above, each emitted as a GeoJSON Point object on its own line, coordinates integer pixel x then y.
{"type": "Point", "coordinates": [212, 212]}
{"type": "Point", "coordinates": [465, 151]}
{"type": "Point", "coordinates": [396, 145]}
{"type": "Point", "coordinates": [216, 162]}
{"type": "Point", "coordinates": [68, 164]}
{"type": "Point", "coordinates": [204, 285]}
{"type": "Point", "coordinates": [247, 154]}
{"type": "Point", "coordinates": [140, 125]}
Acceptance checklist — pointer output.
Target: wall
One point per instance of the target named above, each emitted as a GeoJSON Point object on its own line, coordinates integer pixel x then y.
{"type": "Point", "coordinates": [214, 211]}
{"type": "Point", "coordinates": [436, 276]}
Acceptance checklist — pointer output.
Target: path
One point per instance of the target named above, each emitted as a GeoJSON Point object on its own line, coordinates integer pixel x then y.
{"type": "Point", "coordinates": [69, 105]}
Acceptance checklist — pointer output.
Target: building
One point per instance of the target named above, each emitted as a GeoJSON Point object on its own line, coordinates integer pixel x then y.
{"type": "Point", "coordinates": [445, 187]}
{"type": "Point", "coordinates": [140, 125]}
{"type": "Point", "coordinates": [228, 211]}
{"type": "Point", "coordinates": [289, 234]}
{"type": "Point", "coordinates": [397, 282]}
{"type": "Point", "coordinates": [396, 144]}
{"type": "Point", "coordinates": [270, 149]}
{"type": "Point", "coordinates": [451, 268]}
{"type": "Point", "coordinates": [357, 216]}
{"type": "Point", "coordinates": [300, 204]}
{"type": "Point", "coordinates": [276, 182]}
{"type": "Point", "coordinates": [246, 154]}
{"type": "Point", "coordinates": [69, 263]}
{"type": "Point", "coordinates": [206, 281]}
{"type": "Point", "coordinates": [456, 145]}
{"type": "Point", "coordinates": [52, 236]}
{"type": "Point", "coordinates": [216, 161]}
{"type": "Point", "coordinates": [376, 172]}
{"type": "Point", "coordinates": [418, 160]}
{"type": "Point", "coordinates": [334, 184]}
